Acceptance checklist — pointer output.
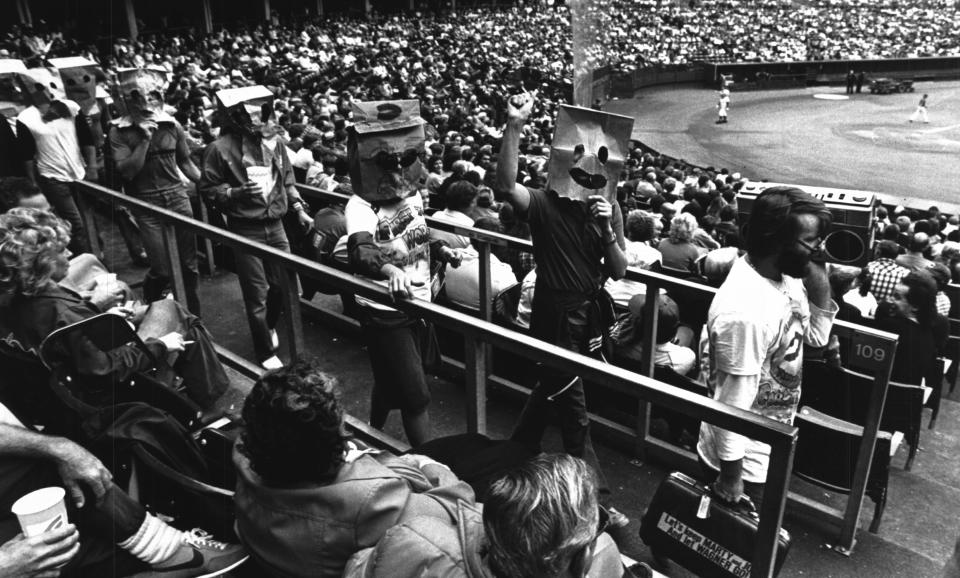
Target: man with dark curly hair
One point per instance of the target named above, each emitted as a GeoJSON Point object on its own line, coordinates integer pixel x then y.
{"type": "Point", "coordinates": [307, 497]}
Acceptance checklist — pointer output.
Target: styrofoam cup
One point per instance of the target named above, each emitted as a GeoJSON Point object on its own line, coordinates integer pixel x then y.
{"type": "Point", "coordinates": [41, 511]}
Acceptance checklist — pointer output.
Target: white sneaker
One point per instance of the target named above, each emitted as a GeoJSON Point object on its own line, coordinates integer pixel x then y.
{"type": "Point", "coordinates": [272, 363]}
{"type": "Point", "coordinates": [274, 339]}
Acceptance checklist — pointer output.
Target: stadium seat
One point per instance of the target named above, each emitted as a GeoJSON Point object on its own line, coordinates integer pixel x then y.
{"type": "Point", "coordinates": [107, 332]}
{"type": "Point", "coordinates": [834, 470]}
{"type": "Point", "coordinates": [845, 394]}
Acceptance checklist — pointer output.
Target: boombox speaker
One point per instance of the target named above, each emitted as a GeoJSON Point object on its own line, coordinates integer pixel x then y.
{"type": "Point", "coordinates": [850, 238]}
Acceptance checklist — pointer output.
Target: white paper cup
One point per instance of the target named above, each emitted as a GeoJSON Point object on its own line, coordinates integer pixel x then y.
{"type": "Point", "coordinates": [41, 511]}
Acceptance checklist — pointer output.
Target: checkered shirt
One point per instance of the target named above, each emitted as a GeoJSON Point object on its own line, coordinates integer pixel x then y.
{"type": "Point", "coordinates": [885, 274]}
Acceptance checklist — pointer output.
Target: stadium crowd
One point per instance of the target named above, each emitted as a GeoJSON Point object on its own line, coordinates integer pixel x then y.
{"type": "Point", "coordinates": [484, 163]}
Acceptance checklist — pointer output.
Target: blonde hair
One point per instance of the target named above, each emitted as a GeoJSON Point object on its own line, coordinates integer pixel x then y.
{"type": "Point", "coordinates": [682, 228]}
{"type": "Point", "coordinates": [31, 240]}
{"type": "Point", "coordinates": [538, 517]}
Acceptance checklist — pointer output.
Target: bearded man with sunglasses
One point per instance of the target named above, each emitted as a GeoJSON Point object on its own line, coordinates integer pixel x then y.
{"type": "Point", "coordinates": [248, 177]}
{"type": "Point", "coordinates": [775, 299]}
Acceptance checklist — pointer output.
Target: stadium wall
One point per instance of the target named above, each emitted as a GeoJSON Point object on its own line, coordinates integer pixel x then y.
{"type": "Point", "coordinates": [771, 75]}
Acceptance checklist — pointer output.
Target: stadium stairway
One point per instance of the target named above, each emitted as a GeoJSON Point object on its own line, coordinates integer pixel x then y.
{"type": "Point", "coordinates": [920, 526]}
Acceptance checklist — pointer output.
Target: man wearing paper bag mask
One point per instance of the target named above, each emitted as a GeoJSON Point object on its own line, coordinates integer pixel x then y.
{"type": "Point", "coordinates": [578, 242]}
{"type": "Point", "coordinates": [149, 149]}
{"type": "Point", "coordinates": [51, 136]}
{"type": "Point", "coordinates": [388, 240]}
{"type": "Point", "coordinates": [247, 175]}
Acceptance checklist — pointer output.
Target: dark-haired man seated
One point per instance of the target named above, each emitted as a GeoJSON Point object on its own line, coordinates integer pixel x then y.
{"type": "Point", "coordinates": [307, 497]}
{"type": "Point", "coordinates": [542, 519]}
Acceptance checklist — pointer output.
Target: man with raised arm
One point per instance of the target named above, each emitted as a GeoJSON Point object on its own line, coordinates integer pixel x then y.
{"type": "Point", "coordinates": [577, 243]}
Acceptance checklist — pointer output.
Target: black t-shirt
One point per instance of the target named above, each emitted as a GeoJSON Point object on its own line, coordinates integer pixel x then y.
{"type": "Point", "coordinates": [567, 243]}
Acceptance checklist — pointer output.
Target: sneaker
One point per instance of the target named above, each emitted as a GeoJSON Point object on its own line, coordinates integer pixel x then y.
{"type": "Point", "coordinates": [272, 363]}
{"type": "Point", "coordinates": [274, 339]}
{"type": "Point", "coordinates": [200, 556]}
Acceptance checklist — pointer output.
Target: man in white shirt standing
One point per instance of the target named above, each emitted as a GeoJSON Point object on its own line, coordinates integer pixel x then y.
{"type": "Point", "coordinates": [775, 299]}
{"type": "Point", "coordinates": [51, 135]}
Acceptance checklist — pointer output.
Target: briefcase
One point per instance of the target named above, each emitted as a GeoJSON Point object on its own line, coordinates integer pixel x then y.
{"type": "Point", "coordinates": [714, 539]}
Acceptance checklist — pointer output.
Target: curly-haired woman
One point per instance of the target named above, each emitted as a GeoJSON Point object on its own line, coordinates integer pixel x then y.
{"type": "Point", "coordinates": [33, 260]}
{"type": "Point", "coordinates": [308, 498]}
{"type": "Point", "coordinates": [679, 250]}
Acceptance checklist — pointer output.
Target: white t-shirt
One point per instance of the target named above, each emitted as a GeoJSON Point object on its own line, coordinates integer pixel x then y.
{"type": "Point", "coordinates": [463, 283]}
{"type": "Point", "coordinates": [755, 330]}
{"type": "Point", "coordinates": [58, 148]}
{"type": "Point", "coordinates": [639, 255]}
{"type": "Point", "coordinates": [402, 235]}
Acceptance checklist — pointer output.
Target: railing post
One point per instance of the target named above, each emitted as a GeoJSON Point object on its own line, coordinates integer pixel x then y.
{"type": "Point", "coordinates": [486, 297]}
{"type": "Point", "coordinates": [775, 492]}
{"type": "Point", "coordinates": [291, 309]}
{"type": "Point", "coordinates": [89, 220]}
{"type": "Point", "coordinates": [207, 243]}
{"type": "Point", "coordinates": [651, 310]}
{"type": "Point", "coordinates": [172, 250]}
{"type": "Point", "coordinates": [475, 353]}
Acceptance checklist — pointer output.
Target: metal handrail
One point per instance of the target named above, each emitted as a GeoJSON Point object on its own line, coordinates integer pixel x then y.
{"type": "Point", "coordinates": [780, 437]}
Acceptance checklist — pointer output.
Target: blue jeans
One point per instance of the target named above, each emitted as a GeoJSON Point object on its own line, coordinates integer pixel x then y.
{"type": "Point", "coordinates": [60, 196]}
{"type": "Point", "coordinates": [260, 282]}
{"type": "Point", "coordinates": [151, 232]}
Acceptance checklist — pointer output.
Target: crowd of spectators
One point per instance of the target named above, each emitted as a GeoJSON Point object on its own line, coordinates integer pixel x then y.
{"type": "Point", "coordinates": [675, 217]}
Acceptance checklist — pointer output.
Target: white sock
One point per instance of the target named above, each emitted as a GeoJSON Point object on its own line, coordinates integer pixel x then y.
{"type": "Point", "coordinates": [154, 542]}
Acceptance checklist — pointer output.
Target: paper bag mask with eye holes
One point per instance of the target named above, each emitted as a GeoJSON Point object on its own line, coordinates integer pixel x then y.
{"type": "Point", "coordinates": [588, 153]}
{"type": "Point", "coordinates": [13, 99]}
{"type": "Point", "coordinates": [79, 76]}
{"type": "Point", "coordinates": [42, 85]}
{"type": "Point", "coordinates": [384, 148]}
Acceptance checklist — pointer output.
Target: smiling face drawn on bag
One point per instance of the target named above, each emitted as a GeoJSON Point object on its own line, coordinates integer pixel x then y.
{"type": "Point", "coordinates": [588, 153]}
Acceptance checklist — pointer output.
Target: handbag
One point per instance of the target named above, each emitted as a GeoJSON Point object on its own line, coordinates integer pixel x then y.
{"type": "Point", "coordinates": [706, 536]}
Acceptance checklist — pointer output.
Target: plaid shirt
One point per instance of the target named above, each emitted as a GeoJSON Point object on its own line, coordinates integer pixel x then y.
{"type": "Point", "coordinates": [885, 275]}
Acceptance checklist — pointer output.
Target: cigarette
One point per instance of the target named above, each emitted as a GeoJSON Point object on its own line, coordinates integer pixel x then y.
{"type": "Point", "coordinates": [189, 342]}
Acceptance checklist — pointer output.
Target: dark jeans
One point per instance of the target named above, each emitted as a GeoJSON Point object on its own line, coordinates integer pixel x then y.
{"type": "Point", "coordinates": [260, 282]}
{"type": "Point", "coordinates": [563, 393]}
{"type": "Point", "coordinates": [60, 196]}
{"type": "Point", "coordinates": [101, 526]}
{"type": "Point", "coordinates": [151, 232]}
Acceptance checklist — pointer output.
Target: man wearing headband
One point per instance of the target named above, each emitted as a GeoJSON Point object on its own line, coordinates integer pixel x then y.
{"type": "Point", "coordinates": [248, 176]}
{"type": "Point", "coordinates": [51, 135]}
{"type": "Point", "coordinates": [150, 149]}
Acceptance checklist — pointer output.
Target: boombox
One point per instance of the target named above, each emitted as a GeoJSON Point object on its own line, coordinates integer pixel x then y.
{"type": "Point", "coordinates": [850, 238]}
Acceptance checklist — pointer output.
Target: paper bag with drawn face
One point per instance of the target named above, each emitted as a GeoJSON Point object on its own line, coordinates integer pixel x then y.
{"type": "Point", "coordinates": [42, 85]}
{"type": "Point", "coordinates": [384, 149]}
{"type": "Point", "coordinates": [13, 99]}
{"type": "Point", "coordinates": [79, 76]}
{"type": "Point", "coordinates": [588, 153]}
{"type": "Point", "coordinates": [141, 88]}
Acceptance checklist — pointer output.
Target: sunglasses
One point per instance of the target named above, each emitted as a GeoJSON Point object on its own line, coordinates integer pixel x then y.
{"type": "Point", "coordinates": [812, 248]}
